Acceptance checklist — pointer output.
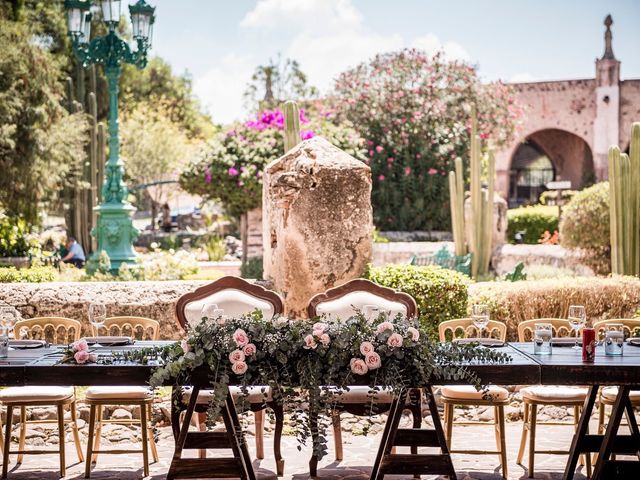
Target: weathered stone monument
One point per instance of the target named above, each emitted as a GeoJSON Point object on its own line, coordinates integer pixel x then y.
{"type": "Point", "coordinates": [317, 220]}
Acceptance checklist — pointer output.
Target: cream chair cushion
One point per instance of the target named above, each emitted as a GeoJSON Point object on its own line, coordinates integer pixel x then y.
{"type": "Point", "coordinates": [35, 394]}
{"type": "Point", "coordinates": [469, 392]}
{"type": "Point", "coordinates": [361, 395]}
{"type": "Point", "coordinates": [234, 303]}
{"type": "Point", "coordinates": [554, 393]}
{"type": "Point", "coordinates": [117, 393]}
{"type": "Point", "coordinates": [254, 395]}
{"type": "Point", "coordinates": [610, 394]}
{"type": "Point", "coordinates": [346, 306]}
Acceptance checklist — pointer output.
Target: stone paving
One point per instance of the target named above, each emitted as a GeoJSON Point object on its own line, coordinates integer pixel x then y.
{"type": "Point", "coordinates": [359, 454]}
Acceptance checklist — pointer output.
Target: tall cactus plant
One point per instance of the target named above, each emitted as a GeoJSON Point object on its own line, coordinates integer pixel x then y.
{"type": "Point", "coordinates": [291, 125]}
{"type": "Point", "coordinates": [479, 234]}
{"type": "Point", "coordinates": [624, 206]}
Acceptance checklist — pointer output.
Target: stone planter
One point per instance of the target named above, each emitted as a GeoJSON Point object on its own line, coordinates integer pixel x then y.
{"type": "Point", "coordinates": [18, 262]}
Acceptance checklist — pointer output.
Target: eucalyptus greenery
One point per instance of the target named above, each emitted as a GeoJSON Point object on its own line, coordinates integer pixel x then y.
{"type": "Point", "coordinates": [309, 363]}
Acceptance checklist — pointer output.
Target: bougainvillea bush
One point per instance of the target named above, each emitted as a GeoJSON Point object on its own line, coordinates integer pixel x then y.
{"type": "Point", "coordinates": [413, 111]}
{"type": "Point", "coordinates": [230, 169]}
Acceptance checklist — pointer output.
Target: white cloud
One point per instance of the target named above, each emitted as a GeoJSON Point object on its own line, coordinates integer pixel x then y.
{"type": "Point", "coordinates": [220, 88]}
{"type": "Point", "coordinates": [522, 78]}
{"type": "Point", "coordinates": [432, 45]}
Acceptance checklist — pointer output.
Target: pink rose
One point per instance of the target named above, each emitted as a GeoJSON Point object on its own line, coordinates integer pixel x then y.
{"type": "Point", "coordinates": [384, 326]}
{"type": "Point", "coordinates": [186, 348]}
{"type": "Point", "coordinates": [309, 342]}
{"type": "Point", "coordinates": [320, 326]}
{"type": "Point", "coordinates": [93, 357]}
{"type": "Point", "coordinates": [249, 349]}
{"type": "Point", "coordinates": [236, 356]}
{"type": "Point", "coordinates": [414, 333]}
{"type": "Point", "coordinates": [372, 360]}
{"type": "Point", "coordinates": [358, 366]}
{"type": "Point", "coordinates": [239, 368]}
{"type": "Point", "coordinates": [366, 348]}
{"type": "Point", "coordinates": [240, 337]}
{"type": "Point", "coordinates": [325, 339]}
{"type": "Point", "coordinates": [395, 340]}
{"type": "Point", "coordinates": [317, 333]}
{"type": "Point", "coordinates": [81, 356]}
{"type": "Point", "coordinates": [81, 346]}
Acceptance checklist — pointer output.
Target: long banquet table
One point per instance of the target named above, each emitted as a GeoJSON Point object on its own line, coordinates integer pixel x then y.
{"type": "Point", "coordinates": [563, 367]}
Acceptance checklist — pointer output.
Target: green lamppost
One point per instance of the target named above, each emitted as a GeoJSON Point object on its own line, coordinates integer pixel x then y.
{"type": "Point", "coordinates": [114, 229]}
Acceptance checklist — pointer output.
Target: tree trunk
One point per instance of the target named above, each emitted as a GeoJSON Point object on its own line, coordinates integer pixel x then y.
{"type": "Point", "coordinates": [244, 235]}
{"type": "Point", "coordinates": [154, 214]}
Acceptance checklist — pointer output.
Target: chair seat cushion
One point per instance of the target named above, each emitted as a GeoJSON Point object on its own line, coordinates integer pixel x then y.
{"type": "Point", "coordinates": [117, 393]}
{"type": "Point", "coordinates": [362, 395]}
{"type": "Point", "coordinates": [554, 393]}
{"type": "Point", "coordinates": [610, 394]}
{"type": "Point", "coordinates": [257, 394]}
{"type": "Point", "coordinates": [35, 394]}
{"type": "Point", "coordinates": [469, 392]}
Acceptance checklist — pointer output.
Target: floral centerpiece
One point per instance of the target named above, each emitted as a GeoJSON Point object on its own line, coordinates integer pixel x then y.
{"type": "Point", "coordinates": [308, 362]}
{"type": "Point", "coordinates": [78, 353]}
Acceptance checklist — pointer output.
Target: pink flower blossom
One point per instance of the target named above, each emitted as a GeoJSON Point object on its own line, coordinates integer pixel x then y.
{"type": "Point", "coordinates": [233, 172]}
{"type": "Point", "coordinates": [81, 356]}
{"type": "Point", "coordinates": [240, 337]}
{"type": "Point", "coordinates": [366, 348]}
{"type": "Point", "coordinates": [371, 153]}
{"type": "Point", "coordinates": [395, 340]}
{"type": "Point", "coordinates": [325, 339]}
{"type": "Point", "coordinates": [81, 345]}
{"type": "Point", "coordinates": [379, 149]}
{"type": "Point", "coordinates": [384, 326]}
{"type": "Point", "coordinates": [407, 171]}
{"type": "Point", "coordinates": [418, 156]}
{"type": "Point", "coordinates": [432, 171]}
{"type": "Point", "coordinates": [317, 333]}
{"type": "Point", "coordinates": [381, 178]}
{"type": "Point", "coordinates": [310, 342]}
{"type": "Point", "coordinates": [239, 368]}
{"type": "Point", "coordinates": [93, 357]}
{"type": "Point", "coordinates": [249, 349]}
{"type": "Point", "coordinates": [186, 348]}
{"type": "Point", "coordinates": [413, 333]}
{"type": "Point", "coordinates": [372, 360]}
{"type": "Point", "coordinates": [358, 366]}
{"type": "Point", "coordinates": [236, 356]}
{"type": "Point", "coordinates": [320, 326]}
{"type": "Point", "coordinates": [307, 134]}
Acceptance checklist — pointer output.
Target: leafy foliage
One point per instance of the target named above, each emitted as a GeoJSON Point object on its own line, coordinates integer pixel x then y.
{"type": "Point", "coordinates": [252, 268]}
{"type": "Point", "coordinates": [441, 294]}
{"type": "Point", "coordinates": [517, 275]}
{"type": "Point", "coordinates": [585, 226]}
{"type": "Point", "coordinates": [27, 275]}
{"type": "Point", "coordinates": [309, 363]}
{"type": "Point", "coordinates": [413, 111]}
{"type": "Point", "coordinates": [14, 238]}
{"type": "Point", "coordinates": [533, 220]}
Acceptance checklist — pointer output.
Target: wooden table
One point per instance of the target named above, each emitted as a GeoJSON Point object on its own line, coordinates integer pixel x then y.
{"type": "Point", "coordinates": [563, 367]}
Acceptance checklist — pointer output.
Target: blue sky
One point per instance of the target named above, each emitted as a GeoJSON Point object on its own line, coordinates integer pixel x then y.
{"type": "Point", "coordinates": [219, 42]}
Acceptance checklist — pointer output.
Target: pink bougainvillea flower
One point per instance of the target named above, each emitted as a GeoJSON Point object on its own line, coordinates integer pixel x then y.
{"type": "Point", "coordinates": [381, 178]}
{"type": "Point", "coordinates": [379, 149]}
{"type": "Point", "coordinates": [407, 171]}
{"type": "Point", "coordinates": [432, 171]}
{"type": "Point", "coordinates": [233, 172]}
{"type": "Point", "coordinates": [307, 134]}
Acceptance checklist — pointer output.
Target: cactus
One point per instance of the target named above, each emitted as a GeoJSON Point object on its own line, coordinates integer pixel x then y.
{"type": "Point", "coordinates": [624, 206]}
{"type": "Point", "coordinates": [291, 125]}
{"type": "Point", "coordinates": [456, 194]}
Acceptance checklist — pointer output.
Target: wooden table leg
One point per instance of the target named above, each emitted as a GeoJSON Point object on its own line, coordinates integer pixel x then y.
{"type": "Point", "coordinates": [393, 419]}
{"type": "Point", "coordinates": [581, 431]}
{"type": "Point", "coordinates": [606, 448]}
{"type": "Point", "coordinates": [232, 423]}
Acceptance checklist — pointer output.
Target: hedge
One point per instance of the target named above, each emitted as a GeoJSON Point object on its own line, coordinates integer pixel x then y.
{"type": "Point", "coordinates": [533, 220]}
{"type": "Point", "coordinates": [27, 275]}
{"type": "Point", "coordinates": [514, 302]}
{"type": "Point", "coordinates": [441, 294]}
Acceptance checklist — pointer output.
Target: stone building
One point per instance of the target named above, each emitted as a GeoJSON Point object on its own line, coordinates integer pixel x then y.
{"type": "Point", "coordinates": [568, 128]}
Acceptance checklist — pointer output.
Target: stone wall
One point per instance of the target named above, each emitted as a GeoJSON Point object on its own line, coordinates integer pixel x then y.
{"type": "Point", "coordinates": [146, 299]}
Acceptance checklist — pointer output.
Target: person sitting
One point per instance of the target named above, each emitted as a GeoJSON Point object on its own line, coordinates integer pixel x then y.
{"type": "Point", "coordinates": [75, 253]}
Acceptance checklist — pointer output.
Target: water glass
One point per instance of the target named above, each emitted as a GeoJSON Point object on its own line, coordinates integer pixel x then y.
{"type": "Point", "coordinates": [577, 320]}
{"type": "Point", "coordinates": [4, 344]}
{"type": "Point", "coordinates": [542, 334]}
{"type": "Point", "coordinates": [97, 316]}
{"type": "Point", "coordinates": [209, 311]}
{"type": "Point", "coordinates": [370, 312]}
{"type": "Point", "coordinates": [8, 318]}
{"type": "Point", "coordinates": [614, 339]}
{"type": "Point", "coordinates": [480, 317]}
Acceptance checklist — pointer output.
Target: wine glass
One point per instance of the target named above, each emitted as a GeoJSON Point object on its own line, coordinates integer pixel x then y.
{"type": "Point", "coordinates": [480, 317]}
{"type": "Point", "coordinates": [577, 319]}
{"type": "Point", "coordinates": [97, 316]}
{"type": "Point", "coordinates": [210, 311]}
{"type": "Point", "coordinates": [370, 312]}
{"type": "Point", "coordinates": [8, 318]}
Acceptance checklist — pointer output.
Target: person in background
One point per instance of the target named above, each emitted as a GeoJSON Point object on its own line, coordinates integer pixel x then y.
{"type": "Point", "coordinates": [75, 253]}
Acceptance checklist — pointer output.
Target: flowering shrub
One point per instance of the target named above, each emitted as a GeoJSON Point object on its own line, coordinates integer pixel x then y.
{"type": "Point", "coordinates": [230, 169]}
{"type": "Point", "coordinates": [321, 358]}
{"type": "Point", "coordinates": [413, 111]}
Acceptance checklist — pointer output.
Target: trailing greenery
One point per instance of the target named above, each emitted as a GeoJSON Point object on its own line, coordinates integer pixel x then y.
{"type": "Point", "coordinates": [585, 226]}
{"type": "Point", "coordinates": [533, 220]}
{"type": "Point", "coordinates": [308, 363]}
{"type": "Point", "coordinates": [27, 275]}
{"type": "Point", "coordinates": [441, 294]}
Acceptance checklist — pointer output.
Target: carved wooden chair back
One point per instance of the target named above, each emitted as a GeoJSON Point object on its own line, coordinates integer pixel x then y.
{"type": "Point", "coordinates": [559, 326]}
{"type": "Point", "coordinates": [345, 300]}
{"type": "Point", "coordinates": [465, 328]}
{"type": "Point", "coordinates": [55, 330]}
{"type": "Point", "coordinates": [234, 295]}
{"type": "Point", "coordinates": [631, 326]}
{"type": "Point", "coordinates": [140, 328]}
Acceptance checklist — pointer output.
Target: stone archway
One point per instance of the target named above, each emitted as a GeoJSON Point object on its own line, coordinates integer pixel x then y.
{"type": "Point", "coordinates": [546, 155]}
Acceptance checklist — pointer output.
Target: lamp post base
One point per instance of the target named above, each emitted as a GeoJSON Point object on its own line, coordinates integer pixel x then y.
{"type": "Point", "coordinates": [115, 234]}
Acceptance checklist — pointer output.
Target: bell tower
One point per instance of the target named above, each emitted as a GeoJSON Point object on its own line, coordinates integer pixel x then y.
{"type": "Point", "coordinates": [606, 125]}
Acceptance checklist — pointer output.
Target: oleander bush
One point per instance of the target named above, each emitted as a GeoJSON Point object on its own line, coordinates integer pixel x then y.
{"type": "Point", "coordinates": [27, 275]}
{"type": "Point", "coordinates": [514, 302]}
{"type": "Point", "coordinates": [441, 294]}
{"type": "Point", "coordinates": [585, 226]}
{"type": "Point", "coordinates": [533, 220]}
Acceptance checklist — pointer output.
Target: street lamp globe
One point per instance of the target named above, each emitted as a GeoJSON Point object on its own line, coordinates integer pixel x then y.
{"type": "Point", "coordinates": [142, 19]}
{"type": "Point", "coordinates": [111, 11]}
{"type": "Point", "coordinates": [76, 16]}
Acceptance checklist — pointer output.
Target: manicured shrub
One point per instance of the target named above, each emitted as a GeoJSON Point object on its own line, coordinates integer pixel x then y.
{"type": "Point", "coordinates": [441, 294]}
{"type": "Point", "coordinates": [550, 197]}
{"type": "Point", "coordinates": [514, 302]}
{"type": "Point", "coordinates": [533, 220]}
{"type": "Point", "coordinates": [585, 226]}
{"type": "Point", "coordinates": [27, 275]}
